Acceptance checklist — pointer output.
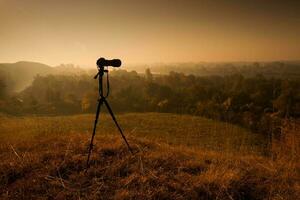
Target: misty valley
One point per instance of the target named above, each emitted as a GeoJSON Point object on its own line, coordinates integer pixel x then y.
{"type": "Point", "coordinates": [189, 129]}
{"type": "Point", "coordinates": [257, 101]}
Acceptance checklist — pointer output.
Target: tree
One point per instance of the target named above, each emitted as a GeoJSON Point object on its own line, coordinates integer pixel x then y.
{"type": "Point", "coordinates": [2, 89]}
{"type": "Point", "coordinates": [148, 75]}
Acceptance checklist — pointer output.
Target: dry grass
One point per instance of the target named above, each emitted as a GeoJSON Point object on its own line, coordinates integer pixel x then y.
{"type": "Point", "coordinates": [51, 165]}
{"type": "Point", "coordinates": [195, 132]}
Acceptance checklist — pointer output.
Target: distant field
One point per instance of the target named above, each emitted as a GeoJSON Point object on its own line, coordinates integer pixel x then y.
{"type": "Point", "coordinates": [195, 132]}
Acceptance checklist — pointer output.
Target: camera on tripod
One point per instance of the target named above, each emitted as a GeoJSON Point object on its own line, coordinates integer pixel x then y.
{"type": "Point", "coordinates": [102, 62]}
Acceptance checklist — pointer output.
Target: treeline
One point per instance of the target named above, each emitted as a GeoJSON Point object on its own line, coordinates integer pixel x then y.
{"type": "Point", "coordinates": [280, 70]}
{"type": "Point", "coordinates": [256, 103]}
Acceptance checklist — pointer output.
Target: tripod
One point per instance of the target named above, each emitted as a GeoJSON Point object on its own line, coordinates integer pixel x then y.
{"type": "Point", "coordinates": [102, 100]}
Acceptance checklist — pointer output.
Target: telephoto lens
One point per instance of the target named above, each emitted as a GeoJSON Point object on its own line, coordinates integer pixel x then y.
{"type": "Point", "coordinates": [101, 62]}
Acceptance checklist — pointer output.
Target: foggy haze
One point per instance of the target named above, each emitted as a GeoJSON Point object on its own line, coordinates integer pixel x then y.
{"type": "Point", "coordinates": [55, 32]}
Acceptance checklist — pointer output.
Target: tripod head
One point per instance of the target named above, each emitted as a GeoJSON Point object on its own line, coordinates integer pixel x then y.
{"type": "Point", "coordinates": [102, 62]}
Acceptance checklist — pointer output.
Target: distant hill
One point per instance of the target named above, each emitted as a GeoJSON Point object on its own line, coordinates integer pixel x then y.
{"type": "Point", "coordinates": [19, 75]}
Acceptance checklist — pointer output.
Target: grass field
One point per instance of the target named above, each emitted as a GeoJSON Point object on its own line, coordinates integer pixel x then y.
{"type": "Point", "coordinates": [195, 132]}
{"type": "Point", "coordinates": [176, 157]}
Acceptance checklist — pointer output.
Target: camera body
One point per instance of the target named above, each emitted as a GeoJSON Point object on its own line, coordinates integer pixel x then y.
{"type": "Point", "coordinates": [102, 62]}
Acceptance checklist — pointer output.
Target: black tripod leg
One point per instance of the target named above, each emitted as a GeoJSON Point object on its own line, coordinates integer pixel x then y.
{"type": "Point", "coordinates": [100, 102]}
{"type": "Point", "coordinates": [115, 120]}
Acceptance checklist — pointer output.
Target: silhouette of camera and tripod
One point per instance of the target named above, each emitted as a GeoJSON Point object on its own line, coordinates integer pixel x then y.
{"type": "Point", "coordinates": [102, 66]}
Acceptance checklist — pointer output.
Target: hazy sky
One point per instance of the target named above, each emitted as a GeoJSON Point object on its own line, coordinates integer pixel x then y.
{"type": "Point", "coordinates": [140, 31]}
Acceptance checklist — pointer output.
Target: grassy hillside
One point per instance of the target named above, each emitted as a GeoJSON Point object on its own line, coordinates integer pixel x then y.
{"type": "Point", "coordinates": [192, 131]}
{"type": "Point", "coordinates": [44, 158]}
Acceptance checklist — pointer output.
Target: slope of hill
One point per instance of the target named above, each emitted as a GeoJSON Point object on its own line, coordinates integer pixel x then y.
{"type": "Point", "coordinates": [178, 130]}
{"type": "Point", "coordinates": [54, 168]}
{"type": "Point", "coordinates": [20, 75]}
{"type": "Point", "coordinates": [45, 158]}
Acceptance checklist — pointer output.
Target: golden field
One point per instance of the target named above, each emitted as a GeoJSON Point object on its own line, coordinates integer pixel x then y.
{"type": "Point", "coordinates": [176, 157]}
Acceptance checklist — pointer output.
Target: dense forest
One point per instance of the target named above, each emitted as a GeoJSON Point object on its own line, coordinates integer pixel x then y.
{"type": "Point", "coordinates": [255, 102]}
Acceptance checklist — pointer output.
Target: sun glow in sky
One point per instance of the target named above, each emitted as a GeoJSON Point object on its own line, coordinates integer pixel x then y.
{"type": "Point", "coordinates": [140, 31]}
